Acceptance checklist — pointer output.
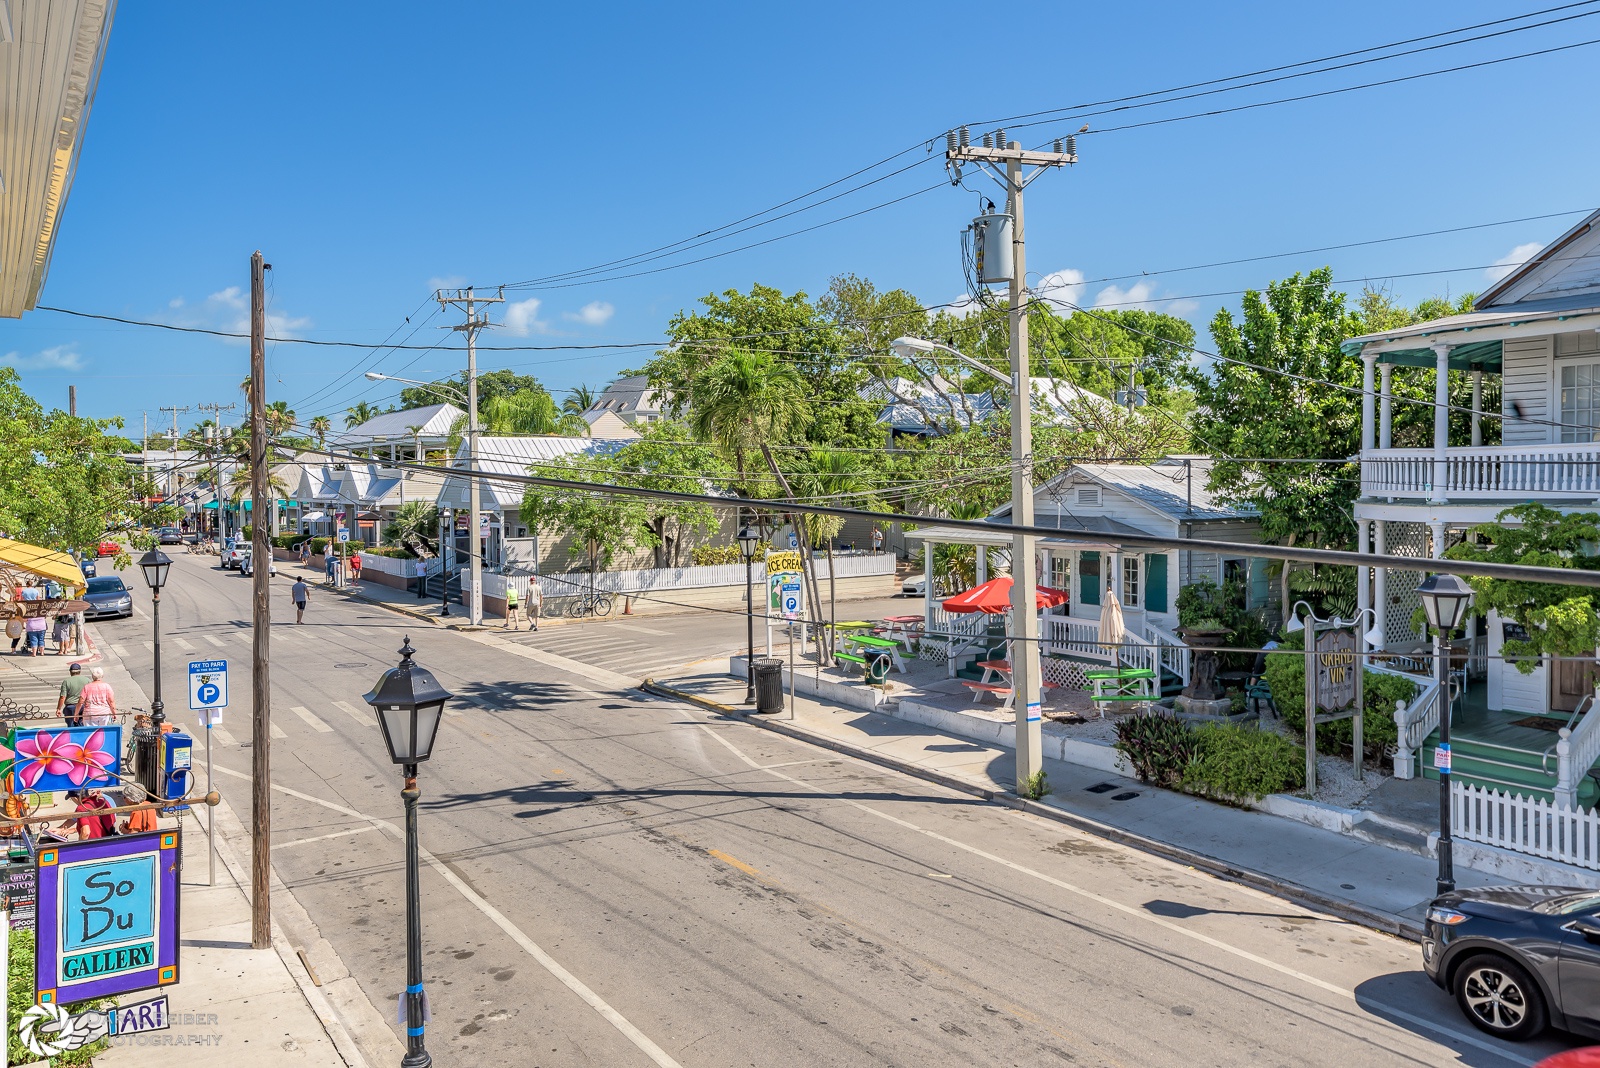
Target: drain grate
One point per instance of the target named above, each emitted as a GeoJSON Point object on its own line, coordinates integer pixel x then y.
{"type": "Point", "coordinates": [1126, 795]}
{"type": "Point", "coordinates": [1101, 787]}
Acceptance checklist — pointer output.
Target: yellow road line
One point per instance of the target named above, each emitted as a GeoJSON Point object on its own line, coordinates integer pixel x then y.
{"type": "Point", "coordinates": [734, 862]}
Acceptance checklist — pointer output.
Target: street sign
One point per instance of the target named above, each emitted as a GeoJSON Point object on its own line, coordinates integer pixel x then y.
{"type": "Point", "coordinates": [208, 684]}
{"type": "Point", "coordinates": [344, 534]}
{"type": "Point", "coordinates": [107, 917]}
{"type": "Point", "coordinates": [1336, 670]}
{"type": "Point", "coordinates": [786, 594]}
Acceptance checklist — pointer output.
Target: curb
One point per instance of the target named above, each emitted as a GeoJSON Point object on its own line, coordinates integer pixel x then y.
{"type": "Point", "coordinates": [1283, 888]}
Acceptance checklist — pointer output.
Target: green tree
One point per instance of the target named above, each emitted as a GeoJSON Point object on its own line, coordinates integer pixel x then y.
{"type": "Point", "coordinates": [610, 522]}
{"type": "Point", "coordinates": [579, 400]}
{"type": "Point", "coordinates": [491, 384]}
{"type": "Point", "coordinates": [666, 457]}
{"type": "Point", "coordinates": [319, 426]}
{"type": "Point", "coordinates": [359, 413]}
{"type": "Point", "coordinates": [514, 414]}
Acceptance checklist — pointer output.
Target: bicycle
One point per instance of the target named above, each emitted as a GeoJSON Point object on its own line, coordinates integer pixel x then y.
{"type": "Point", "coordinates": [595, 604]}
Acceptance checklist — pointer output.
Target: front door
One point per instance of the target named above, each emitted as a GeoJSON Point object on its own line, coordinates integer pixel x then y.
{"type": "Point", "coordinates": [1570, 682]}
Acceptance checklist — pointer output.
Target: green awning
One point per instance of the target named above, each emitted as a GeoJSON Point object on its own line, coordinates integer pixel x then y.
{"type": "Point", "coordinates": [1476, 356]}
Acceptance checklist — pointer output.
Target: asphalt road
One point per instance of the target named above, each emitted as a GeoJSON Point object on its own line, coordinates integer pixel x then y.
{"type": "Point", "coordinates": [617, 880]}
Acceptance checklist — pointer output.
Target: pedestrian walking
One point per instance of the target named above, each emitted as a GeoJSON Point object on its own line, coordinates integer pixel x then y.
{"type": "Point", "coordinates": [535, 603]}
{"type": "Point", "coordinates": [513, 610]}
{"type": "Point", "coordinates": [330, 559]}
{"type": "Point", "coordinates": [62, 633]}
{"type": "Point", "coordinates": [877, 540]}
{"type": "Point", "coordinates": [97, 704]}
{"type": "Point", "coordinates": [355, 567]}
{"type": "Point", "coordinates": [71, 692]}
{"type": "Point", "coordinates": [305, 553]}
{"type": "Point", "coordinates": [35, 626]}
{"type": "Point", "coordinates": [14, 631]}
{"type": "Point", "coordinates": [298, 594]}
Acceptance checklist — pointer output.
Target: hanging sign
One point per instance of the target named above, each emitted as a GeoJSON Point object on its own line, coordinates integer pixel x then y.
{"type": "Point", "coordinates": [66, 758]}
{"type": "Point", "coordinates": [1336, 670]}
{"type": "Point", "coordinates": [107, 916]}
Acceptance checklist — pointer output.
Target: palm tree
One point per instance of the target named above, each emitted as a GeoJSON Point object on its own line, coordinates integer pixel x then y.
{"type": "Point", "coordinates": [579, 400]}
{"type": "Point", "coordinates": [320, 425]}
{"type": "Point", "coordinates": [279, 417]}
{"type": "Point", "coordinates": [359, 413]}
{"type": "Point", "coordinates": [830, 476]}
{"type": "Point", "coordinates": [525, 412]}
{"type": "Point", "coordinates": [412, 525]}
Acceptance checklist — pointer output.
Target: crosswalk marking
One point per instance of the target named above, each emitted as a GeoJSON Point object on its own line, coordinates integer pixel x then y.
{"type": "Point", "coordinates": [311, 718]}
{"type": "Point", "coordinates": [276, 731]}
{"type": "Point", "coordinates": [214, 640]}
{"type": "Point", "coordinates": [151, 646]}
{"type": "Point", "coordinates": [120, 649]}
{"type": "Point", "coordinates": [348, 709]}
{"type": "Point", "coordinates": [183, 643]}
{"type": "Point", "coordinates": [222, 736]}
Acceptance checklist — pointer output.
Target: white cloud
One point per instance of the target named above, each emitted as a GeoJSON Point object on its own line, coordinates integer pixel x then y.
{"type": "Point", "coordinates": [232, 297]}
{"type": "Point", "coordinates": [1117, 297]}
{"type": "Point", "coordinates": [1512, 260]}
{"type": "Point", "coordinates": [449, 281]}
{"type": "Point", "coordinates": [1061, 288]}
{"type": "Point", "coordinates": [594, 313]}
{"type": "Point", "coordinates": [175, 302]}
{"type": "Point", "coordinates": [283, 325]}
{"type": "Point", "coordinates": [522, 318]}
{"type": "Point", "coordinates": [57, 358]}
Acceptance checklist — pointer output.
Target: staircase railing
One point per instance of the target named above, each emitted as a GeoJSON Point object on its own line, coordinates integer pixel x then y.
{"type": "Point", "coordinates": [1072, 637]}
{"type": "Point", "coordinates": [1414, 720]}
{"type": "Point", "coordinates": [1176, 657]}
{"type": "Point", "coordinates": [1138, 653]}
{"type": "Point", "coordinates": [1576, 753]}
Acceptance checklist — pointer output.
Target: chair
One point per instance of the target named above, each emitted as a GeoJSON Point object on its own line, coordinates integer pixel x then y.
{"type": "Point", "coordinates": [1256, 691]}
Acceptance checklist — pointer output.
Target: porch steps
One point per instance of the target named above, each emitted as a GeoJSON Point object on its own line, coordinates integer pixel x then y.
{"type": "Point", "coordinates": [1503, 767]}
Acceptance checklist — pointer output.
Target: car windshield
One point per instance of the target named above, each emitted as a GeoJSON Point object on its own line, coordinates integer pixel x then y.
{"type": "Point", "coordinates": [110, 584]}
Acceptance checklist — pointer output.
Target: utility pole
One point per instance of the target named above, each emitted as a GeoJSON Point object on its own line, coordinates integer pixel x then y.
{"type": "Point", "coordinates": [216, 411]}
{"type": "Point", "coordinates": [997, 151]}
{"type": "Point", "coordinates": [72, 401]}
{"type": "Point", "coordinates": [172, 461]}
{"type": "Point", "coordinates": [468, 302]}
{"type": "Point", "coordinates": [261, 618]}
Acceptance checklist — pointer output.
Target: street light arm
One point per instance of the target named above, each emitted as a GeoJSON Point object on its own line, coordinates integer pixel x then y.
{"type": "Point", "coordinates": [909, 348]}
{"type": "Point", "coordinates": [375, 376]}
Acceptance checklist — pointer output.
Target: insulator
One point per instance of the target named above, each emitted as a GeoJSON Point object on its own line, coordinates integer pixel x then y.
{"type": "Point", "coordinates": [1072, 144]}
{"type": "Point", "coordinates": [950, 140]}
{"type": "Point", "coordinates": [1058, 146]}
{"type": "Point", "coordinates": [966, 137]}
{"type": "Point", "coordinates": [1000, 139]}
{"type": "Point", "coordinates": [988, 140]}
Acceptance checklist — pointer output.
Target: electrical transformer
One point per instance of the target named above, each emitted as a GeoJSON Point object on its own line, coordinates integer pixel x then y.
{"type": "Point", "coordinates": [991, 245]}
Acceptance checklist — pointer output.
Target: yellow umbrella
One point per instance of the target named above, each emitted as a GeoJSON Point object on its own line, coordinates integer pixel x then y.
{"type": "Point", "coordinates": [1112, 630]}
{"type": "Point", "coordinates": [46, 563]}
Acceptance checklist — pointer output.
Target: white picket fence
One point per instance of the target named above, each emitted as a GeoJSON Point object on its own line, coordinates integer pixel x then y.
{"type": "Point", "coordinates": [575, 583]}
{"type": "Point", "coordinates": [1525, 825]}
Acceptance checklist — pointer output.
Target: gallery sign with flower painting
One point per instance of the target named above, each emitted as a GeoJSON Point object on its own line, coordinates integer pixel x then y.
{"type": "Point", "coordinates": [64, 758]}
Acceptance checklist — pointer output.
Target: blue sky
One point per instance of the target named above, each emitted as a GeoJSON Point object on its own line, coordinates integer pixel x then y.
{"type": "Point", "coordinates": [373, 152]}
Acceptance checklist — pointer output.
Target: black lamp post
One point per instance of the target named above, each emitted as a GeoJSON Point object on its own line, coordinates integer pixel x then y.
{"type": "Point", "coordinates": [410, 702]}
{"type": "Point", "coordinates": [155, 564]}
{"type": "Point", "coordinates": [748, 538]}
{"type": "Point", "coordinates": [1444, 600]}
{"type": "Point", "coordinates": [447, 530]}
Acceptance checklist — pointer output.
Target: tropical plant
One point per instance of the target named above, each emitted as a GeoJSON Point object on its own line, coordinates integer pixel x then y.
{"type": "Point", "coordinates": [1286, 678]}
{"type": "Point", "coordinates": [1235, 764]}
{"type": "Point", "coordinates": [579, 400]}
{"type": "Point", "coordinates": [360, 412]}
{"type": "Point", "coordinates": [320, 425]}
{"type": "Point", "coordinates": [279, 418]}
{"type": "Point", "coordinates": [1159, 745]}
{"type": "Point", "coordinates": [416, 526]}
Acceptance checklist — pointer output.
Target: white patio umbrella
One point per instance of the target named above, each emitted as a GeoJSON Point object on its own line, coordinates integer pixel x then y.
{"type": "Point", "coordinates": [1112, 630]}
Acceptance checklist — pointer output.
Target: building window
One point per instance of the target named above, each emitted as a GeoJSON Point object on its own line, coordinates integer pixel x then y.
{"type": "Point", "coordinates": [1130, 582]}
{"type": "Point", "coordinates": [1061, 572]}
{"type": "Point", "coordinates": [1580, 401]}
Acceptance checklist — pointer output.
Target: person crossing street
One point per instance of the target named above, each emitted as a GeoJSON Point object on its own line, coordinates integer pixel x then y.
{"type": "Point", "coordinates": [298, 594]}
{"type": "Point", "coordinates": [513, 610]}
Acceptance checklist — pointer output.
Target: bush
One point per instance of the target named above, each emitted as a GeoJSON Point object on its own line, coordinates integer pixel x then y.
{"type": "Point", "coordinates": [317, 545]}
{"type": "Point", "coordinates": [710, 555]}
{"type": "Point", "coordinates": [289, 541]}
{"type": "Point", "coordinates": [398, 552]}
{"type": "Point", "coordinates": [1235, 763]}
{"type": "Point", "coordinates": [1159, 745]}
{"type": "Point", "coordinates": [1204, 605]}
{"type": "Point", "coordinates": [19, 999]}
{"type": "Point", "coordinates": [1286, 675]}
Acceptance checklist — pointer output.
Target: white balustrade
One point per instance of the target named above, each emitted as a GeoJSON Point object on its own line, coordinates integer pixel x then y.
{"type": "Point", "coordinates": [1506, 472]}
{"type": "Point", "coordinates": [1072, 637]}
{"type": "Point", "coordinates": [1576, 753]}
{"type": "Point", "coordinates": [1414, 720]}
{"type": "Point", "coordinates": [1525, 824]}
{"type": "Point", "coordinates": [1174, 651]}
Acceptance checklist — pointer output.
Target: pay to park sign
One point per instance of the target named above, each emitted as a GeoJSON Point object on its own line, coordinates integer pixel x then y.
{"type": "Point", "coordinates": [107, 917]}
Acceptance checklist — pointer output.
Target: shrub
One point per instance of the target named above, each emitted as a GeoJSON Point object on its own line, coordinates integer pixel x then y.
{"type": "Point", "coordinates": [1235, 763]}
{"type": "Point", "coordinates": [1286, 675]}
{"type": "Point", "coordinates": [398, 552]}
{"type": "Point", "coordinates": [710, 555]}
{"type": "Point", "coordinates": [19, 999]}
{"type": "Point", "coordinates": [1204, 605]}
{"type": "Point", "coordinates": [1159, 745]}
{"type": "Point", "coordinates": [291, 540]}
{"type": "Point", "coordinates": [317, 545]}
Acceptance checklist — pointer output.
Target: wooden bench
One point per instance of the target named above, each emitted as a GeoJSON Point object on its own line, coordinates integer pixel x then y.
{"type": "Point", "coordinates": [1001, 693]}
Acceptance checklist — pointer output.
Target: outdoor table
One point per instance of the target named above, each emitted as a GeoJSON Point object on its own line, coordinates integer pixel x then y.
{"type": "Point", "coordinates": [903, 627]}
{"type": "Point", "coordinates": [870, 643]}
{"type": "Point", "coordinates": [842, 631]}
{"type": "Point", "coordinates": [1120, 686]}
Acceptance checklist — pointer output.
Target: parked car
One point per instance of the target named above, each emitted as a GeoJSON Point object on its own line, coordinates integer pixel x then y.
{"type": "Point", "coordinates": [247, 563]}
{"type": "Point", "coordinates": [108, 548]}
{"type": "Point", "coordinates": [88, 567]}
{"type": "Point", "coordinates": [108, 597]}
{"type": "Point", "coordinates": [169, 536]}
{"type": "Point", "coordinates": [232, 550]}
{"type": "Point", "coordinates": [1518, 958]}
{"type": "Point", "coordinates": [914, 586]}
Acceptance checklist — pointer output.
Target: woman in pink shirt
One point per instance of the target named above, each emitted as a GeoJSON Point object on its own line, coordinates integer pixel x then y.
{"type": "Point", "coordinates": [97, 704]}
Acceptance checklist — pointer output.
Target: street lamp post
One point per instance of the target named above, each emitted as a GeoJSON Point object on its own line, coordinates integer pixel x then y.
{"type": "Point", "coordinates": [747, 548]}
{"type": "Point", "coordinates": [147, 752]}
{"type": "Point", "coordinates": [409, 702]}
{"type": "Point", "coordinates": [447, 529]}
{"type": "Point", "coordinates": [1444, 600]}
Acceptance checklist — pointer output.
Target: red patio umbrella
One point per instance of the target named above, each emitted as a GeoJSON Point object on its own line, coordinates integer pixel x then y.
{"type": "Point", "coordinates": [994, 597]}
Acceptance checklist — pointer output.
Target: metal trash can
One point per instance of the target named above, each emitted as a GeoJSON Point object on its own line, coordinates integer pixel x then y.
{"type": "Point", "coordinates": [146, 760]}
{"type": "Point", "coordinates": [877, 668]}
{"type": "Point", "coordinates": [769, 685]}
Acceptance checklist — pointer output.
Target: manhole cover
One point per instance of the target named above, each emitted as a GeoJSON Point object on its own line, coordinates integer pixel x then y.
{"type": "Point", "coordinates": [1126, 795]}
{"type": "Point", "coordinates": [1101, 787]}
{"type": "Point", "coordinates": [358, 663]}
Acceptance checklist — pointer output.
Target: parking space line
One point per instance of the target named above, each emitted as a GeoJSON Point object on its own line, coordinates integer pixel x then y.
{"type": "Point", "coordinates": [323, 837]}
{"type": "Point", "coordinates": [311, 718]}
{"type": "Point", "coordinates": [348, 709]}
{"type": "Point", "coordinates": [183, 643]}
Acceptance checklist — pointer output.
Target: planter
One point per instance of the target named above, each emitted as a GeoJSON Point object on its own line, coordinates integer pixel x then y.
{"type": "Point", "coordinates": [1203, 678]}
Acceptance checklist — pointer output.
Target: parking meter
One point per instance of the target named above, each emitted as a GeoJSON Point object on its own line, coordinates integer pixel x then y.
{"type": "Point", "coordinates": [176, 765]}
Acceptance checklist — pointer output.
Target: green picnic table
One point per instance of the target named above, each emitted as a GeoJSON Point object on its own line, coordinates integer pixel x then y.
{"type": "Point", "coordinates": [1116, 686]}
{"type": "Point", "coordinates": [870, 642]}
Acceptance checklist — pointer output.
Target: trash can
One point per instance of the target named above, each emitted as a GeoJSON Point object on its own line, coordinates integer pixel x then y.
{"type": "Point", "coordinates": [877, 668]}
{"type": "Point", "coordinates": [769, 685]}
{"type": "Point", "coordinates": [146, 760]}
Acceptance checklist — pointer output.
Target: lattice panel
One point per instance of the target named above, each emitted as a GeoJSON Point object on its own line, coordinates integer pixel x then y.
{"type": "Point", "coordinates": [1068, 673]}
{"type": "Point", "coordinates": [1404, 539]}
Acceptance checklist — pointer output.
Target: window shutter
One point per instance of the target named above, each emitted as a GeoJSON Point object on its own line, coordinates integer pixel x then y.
{"type": "Point", "coordinates": [1155, 583]}
{"type": "Point", "coordinates": [1089, 578]}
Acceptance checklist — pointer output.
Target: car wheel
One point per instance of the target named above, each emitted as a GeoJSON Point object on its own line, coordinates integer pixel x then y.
{"type": "Point", "coordinates": [1500, 997]}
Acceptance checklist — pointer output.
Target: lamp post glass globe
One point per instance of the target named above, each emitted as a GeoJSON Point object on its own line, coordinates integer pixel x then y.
{"type": "Point", "coordinates": [748, 539]}
{"type": "Point", "coordinates": [409, 702]}
{"type": "Point", "coordinates": [1444, 600]}
{"type": "Point", "coordinates": [155, 565]}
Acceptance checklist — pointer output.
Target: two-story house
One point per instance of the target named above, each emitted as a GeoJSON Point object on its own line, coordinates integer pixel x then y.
{"type": "Point", "coordinates": [1538, 332]}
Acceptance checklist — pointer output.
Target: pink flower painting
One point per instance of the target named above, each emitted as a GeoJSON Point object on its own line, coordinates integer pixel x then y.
{"type": "Point", "coordinates": [55, 759]}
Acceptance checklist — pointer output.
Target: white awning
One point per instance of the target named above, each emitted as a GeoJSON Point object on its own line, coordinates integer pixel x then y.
{"type": "Point", "coordinates": [313, 517]}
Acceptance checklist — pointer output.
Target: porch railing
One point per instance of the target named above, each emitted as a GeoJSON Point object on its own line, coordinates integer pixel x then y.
{"type": "Point", "coordinates": [1414, 720]}
{"type": "Point", "coordinates": [1066, 636]}
{"type": "Point", "coordinates": [1175, 654]}
{"type": "Point", "coordinates": [1525, 824]}
{"type": "Point", "coordinates": [1509, 472]}
{"type": "Point", "coordinates": [1576, 753]}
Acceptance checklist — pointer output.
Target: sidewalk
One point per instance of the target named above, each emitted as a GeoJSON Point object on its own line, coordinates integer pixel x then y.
{"type": "Point", "coordinates": [292, 1004]}
{"type": "Point", "coordinates": [1366, 882]}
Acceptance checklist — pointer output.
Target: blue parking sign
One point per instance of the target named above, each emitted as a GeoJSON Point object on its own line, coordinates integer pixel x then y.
{"type": "Point", "coordinates": [208, 684]}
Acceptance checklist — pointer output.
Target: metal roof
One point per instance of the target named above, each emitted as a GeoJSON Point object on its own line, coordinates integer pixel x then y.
{"type": "Point", "coordinates": [1175, 486]}
{"type": "Point", "coordinates": [434, 419]}
{"type": "Point", "coordinates": [513, 456]}
{"type": "Point", "coordinates": [50, 68]}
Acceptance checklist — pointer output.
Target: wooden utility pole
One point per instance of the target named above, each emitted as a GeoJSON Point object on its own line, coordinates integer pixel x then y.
{"type": "Point", "coordinates": [72, 401]}
{"type": "Point", "coordinates": [261, 618]}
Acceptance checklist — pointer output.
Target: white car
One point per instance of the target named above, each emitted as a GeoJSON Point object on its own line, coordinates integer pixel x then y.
{"type": "Point", "coordinates": [247, 563]}
{"type": "Point", "coordinates": [914, 586]}
{"type": "Point", "coordinates": [234, 550]}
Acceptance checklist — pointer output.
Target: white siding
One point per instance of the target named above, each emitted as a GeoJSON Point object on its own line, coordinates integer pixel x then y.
{"type": "Point", "coordinates": [1526, 383]}
{"type": "Point", "coordinates": [1509, 689]}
